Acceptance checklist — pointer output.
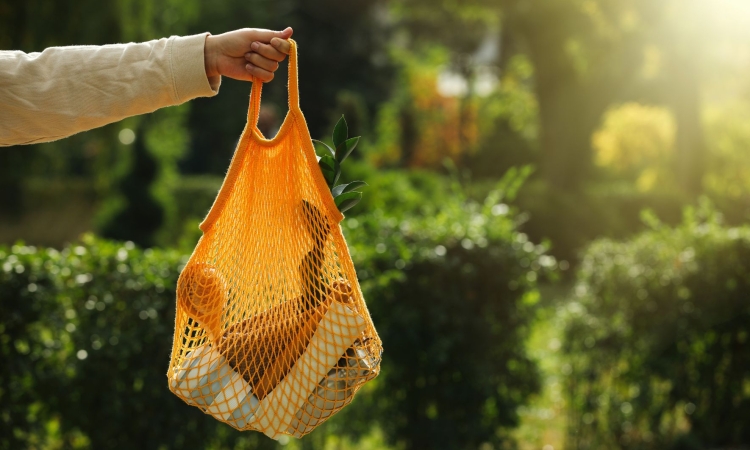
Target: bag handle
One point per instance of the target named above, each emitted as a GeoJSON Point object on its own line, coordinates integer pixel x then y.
{"type": "Point", "coordinates": [292, 88]}
{"type": "Point", "coordinates": [251, 132]}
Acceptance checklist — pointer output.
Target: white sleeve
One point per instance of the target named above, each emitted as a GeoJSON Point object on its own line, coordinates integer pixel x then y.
{"type": "Point", "coordinates": [65, 90]}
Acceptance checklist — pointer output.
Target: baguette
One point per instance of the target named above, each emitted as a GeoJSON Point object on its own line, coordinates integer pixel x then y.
{"type": "Point", "coordinates": [263, 348]}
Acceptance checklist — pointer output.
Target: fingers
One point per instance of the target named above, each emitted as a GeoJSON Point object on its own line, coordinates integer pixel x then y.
{"type": "Point", "coordinates": [281, 45]}
{"type": "Point", "coordinates": [286, 33]}
{"type": "Point", "coordinates": [267, 49]}
{"type": "Point", "coordinates": [264, 58]}
{"type": "Point", "coordinates": [267, 35]}
{"type": "Point", "coordinates": [261, 74]}
{"type": "Point", "coordinates": [262, 62]}
{"type": "Point", "coordinates": [270, 52]}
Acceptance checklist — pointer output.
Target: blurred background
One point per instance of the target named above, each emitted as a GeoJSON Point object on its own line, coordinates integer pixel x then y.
{"type": "Point", "coordinates": [554, 244]}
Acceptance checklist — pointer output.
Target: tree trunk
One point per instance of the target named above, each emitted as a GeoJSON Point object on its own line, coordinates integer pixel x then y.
{"type": "Point", "coordinates": [690, 146]}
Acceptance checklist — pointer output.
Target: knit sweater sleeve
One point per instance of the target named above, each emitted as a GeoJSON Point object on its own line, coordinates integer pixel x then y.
{"type": "Point", "coordinates": [65, 90]}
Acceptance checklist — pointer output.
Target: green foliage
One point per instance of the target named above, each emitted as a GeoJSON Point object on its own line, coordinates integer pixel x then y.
{"type": "Point", "coordinates": [134, 213]}
{"type": "Point", "coordinates": [340, 133]}
{"type": "Point", "coordinates": [85, 338]}
{"type": "Point", "coordinates": [418, 126]}
{"type": "Point", "coordinates": [344, 188]}
{"type": "Point", "coordinates": [346, 148]}
{"type": "Point", "coordinates": [150, 19]}
{"type": "Point", "coordinates": [96, 154]}
{"type": "Point", "coordinates": [331, 169]}
{"type": "Point", "coordinates": [559, 66]}
{"type": "Point", "coordinates": [508, 122]}
{"type": "Point", "coordinates": [427, 19]}
{"type": "Point", "coordinates": [327, 150]}
{"type": "Point", "coordinates": [487, 127]}
{"type": "Point", "coordinates": [13, 164]}
{"type": "Point", "coordinates": [347, 200]}
{"type": "Point", "coordinates": [87, 330]}
{"type": "Point", "coordinates": [400, 192]}
{"type": "Point", "coordinates": [728, 133]}
{"type": "Point", "coordinates": [656, 338]}
{"type": "Point", "coordinates": [354, 82]}
{"type": "Point", "coordinates": [452, 294]}
{"type": "Point", "coordinates": [141, 204]}
{"type": "Point", "coordinates": [638, 141]}
{"type": "Point", "coordinates": [330, 164]}
{"type": "Point", "coordinates": [571, 220]}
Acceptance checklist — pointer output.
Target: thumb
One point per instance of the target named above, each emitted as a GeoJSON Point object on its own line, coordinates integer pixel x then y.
{"type": "Point", "coordinates": [286, 33]}
{"type": "Point", "coordinates": [265, 36]}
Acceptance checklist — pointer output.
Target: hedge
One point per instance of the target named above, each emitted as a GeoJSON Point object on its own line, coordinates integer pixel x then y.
{"type": "Point", "coordinates": [657, 339]}
{"type": "Point", "coordinates": [85, 335]}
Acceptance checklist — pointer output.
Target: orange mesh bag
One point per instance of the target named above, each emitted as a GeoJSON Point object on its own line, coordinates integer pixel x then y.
{"type": "Point", "coordinates": [272, 333]}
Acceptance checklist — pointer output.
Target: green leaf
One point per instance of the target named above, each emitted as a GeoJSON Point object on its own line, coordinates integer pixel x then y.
{"type": "Point", "coordinates": [336, 176]}
{"type": "Point", "coordinates": [343, 188]}
{"type": "Point", "coordinates": [340, 132]}
{"type": "Point", "coordinates": [346, 148]}
{"type": "Point", "coordinates": [325, 147]}
{"type": "Point", "coordinates": [327, 166]}
{"type": "Point", "coordinates": [330, 168]}
{"type": "Point", "coordinates": [327, 161]}
{"type": "Point", "coordinates": [347, 200]}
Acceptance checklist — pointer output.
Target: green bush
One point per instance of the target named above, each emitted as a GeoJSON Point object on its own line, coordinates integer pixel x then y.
{"type": "Point", "coordinates": [452, 294]}
{"type": "Point", "coordinates": [85, 338]}
{"type": "Point", "coordinates": [657, 339]}
{"type": "Point", "coordinates": [85, 332]}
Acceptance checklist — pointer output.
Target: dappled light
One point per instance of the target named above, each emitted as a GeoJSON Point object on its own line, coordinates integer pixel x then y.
{"type": "Point", "coordinates": [552, 242]}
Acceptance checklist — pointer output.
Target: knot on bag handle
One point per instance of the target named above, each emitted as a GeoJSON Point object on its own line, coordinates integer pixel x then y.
{"type": "Point", "coordinates": [292, 88]}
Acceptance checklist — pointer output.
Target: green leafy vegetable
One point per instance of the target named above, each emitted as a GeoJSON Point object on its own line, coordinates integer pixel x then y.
{"type": "Point", "coordinates": [326, 148]}
{"type": "Point", "coordinates": [346, 148]}
{"type": "Point", "coordinates": [340, 132]}
{"type": "Point", "coordinates": [347, 200]}
{"type": "Point", "coordinates": [342, 188]}
{"type": "Point", "coordinates": [330, 161]}
{"type": "Point", "coordinates": [331, 169]}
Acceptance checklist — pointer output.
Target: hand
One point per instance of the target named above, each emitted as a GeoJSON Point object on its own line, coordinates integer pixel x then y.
{"type": "Point", "coordinates": [246, 54]}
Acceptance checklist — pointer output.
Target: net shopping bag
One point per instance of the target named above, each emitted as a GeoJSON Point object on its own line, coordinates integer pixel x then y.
{"type": "Point", "coordinates": [272, 333]}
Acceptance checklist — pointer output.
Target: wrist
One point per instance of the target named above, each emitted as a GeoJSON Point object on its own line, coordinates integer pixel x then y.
{"type": "Point", "coordinates": [209, 57]}
{"type": "Point", "coordinates": [210, 61]}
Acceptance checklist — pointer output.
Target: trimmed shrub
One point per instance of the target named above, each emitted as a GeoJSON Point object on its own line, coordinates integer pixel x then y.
{"type": "Point", "coordinates": [657, 339]}
{"type": "Point", "coordinates": [452, 294]}
{"type": "Point", "coordinates": [85, 334]}
{"type": "Point", "coordinates": [85, 338]}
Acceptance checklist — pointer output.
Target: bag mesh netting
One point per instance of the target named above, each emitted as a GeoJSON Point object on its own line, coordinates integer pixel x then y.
{"type": "Point", "coordinates": [272, 332]}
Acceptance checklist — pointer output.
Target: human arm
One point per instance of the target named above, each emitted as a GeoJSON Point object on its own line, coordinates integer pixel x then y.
{"type": "Point", "coordinates": [65, 90]}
